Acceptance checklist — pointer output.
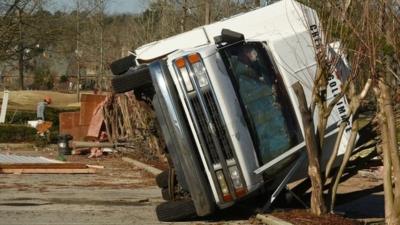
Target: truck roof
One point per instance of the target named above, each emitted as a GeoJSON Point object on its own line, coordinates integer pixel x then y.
{"type": "Point", "coordinates": [272, 22]}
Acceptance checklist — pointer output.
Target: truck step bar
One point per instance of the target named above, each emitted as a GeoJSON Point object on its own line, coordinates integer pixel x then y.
{"type": "Point", "coordinates": [279, 159]}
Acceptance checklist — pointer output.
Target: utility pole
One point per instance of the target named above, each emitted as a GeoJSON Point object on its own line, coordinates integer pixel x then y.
{"type": "Point", "coordinates": [78, 76]}
{"type": "Point", "coordinates": [101, 11]}
{"type": "Point", "coordinates": [21, 50]}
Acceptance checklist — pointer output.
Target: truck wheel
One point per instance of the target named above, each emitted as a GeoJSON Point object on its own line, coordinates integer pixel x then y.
{"type": "Point", "coordinates": [131, 80]}
{"type": "Point", "coordinates": [176, 210]}
{"type": "Point", "coordinates": [122, 65]}
{"type": "Point", "coordinates": [165, 194]}
{"type": "Point", "coordinates": [162, 179]}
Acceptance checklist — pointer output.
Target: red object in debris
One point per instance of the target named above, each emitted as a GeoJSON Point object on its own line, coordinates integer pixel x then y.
{"type": "Point", "coordinates": [96, 121]}
{"type": "Point", "coordinates": [95, 152]}
{"type": "Point", "coordinates": [87, 121]}
{"type": "Point", "coordinates": [89, 105]}
{"type": "Point", "coordinates": [69, 124]}
{"type": "Point", "coordinates": [103, 136]}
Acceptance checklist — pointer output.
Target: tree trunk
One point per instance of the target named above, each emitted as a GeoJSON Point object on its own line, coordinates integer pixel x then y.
{"type": "Point", "coordinates": [346, 157]}
{"type": "Point", "coordinates": [333, 156]}
{"type": "Point", "coordinates": [21, 51]}
{"type": "Point", "coordinates": [257, 3]}
{"type": "Point", "coordinates": [184, 16]}
{"type": "Point", "coordinates": [317, 201]}
{"type": "Point", "coordinates": [21, 68]}
{"type": "Point", "coordinates": [354, 105]}
{"type": "Point", "coordinates": [346, 6]}
{"type": "Point", "coordinates": [387, 180]}
{"type": "Point", "coordinates": [207, 13]}
{"type": "Point", "coordinates": [391, 149]}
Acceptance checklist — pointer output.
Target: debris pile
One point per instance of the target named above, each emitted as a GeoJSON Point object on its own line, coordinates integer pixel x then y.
{"type": "Point", "coordinates": [131, 121]}
{"type": "Point", "coordinates": [110, 121]}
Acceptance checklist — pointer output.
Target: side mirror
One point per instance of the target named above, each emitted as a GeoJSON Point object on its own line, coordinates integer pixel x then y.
{"type": "Point", "coordinates": [229, 37]}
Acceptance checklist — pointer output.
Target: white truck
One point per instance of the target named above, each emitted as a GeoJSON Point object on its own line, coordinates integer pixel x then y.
{"type": "Point", "coordinates": [223, 98]}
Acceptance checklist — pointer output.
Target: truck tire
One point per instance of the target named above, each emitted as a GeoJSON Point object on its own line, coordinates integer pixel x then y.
{"type": "Point", "coordinates": [165, 194]}
{"type": "Point", "coordinates": [162, 179]}
{"type": "Point", "coordinates": [131, 80]}
{"type": "Point", "coordinates": [176, 210]}
{"type": "Point", "coordinates": [122, 65]}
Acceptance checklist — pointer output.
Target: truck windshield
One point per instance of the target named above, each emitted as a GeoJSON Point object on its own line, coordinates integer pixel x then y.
{"type": "Point", "coordinates": [263, 99]}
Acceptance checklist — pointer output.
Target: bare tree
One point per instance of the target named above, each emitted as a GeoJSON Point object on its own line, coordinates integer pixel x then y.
{"type": "Point", "coordinates": [369, 33]}
{"type": "Point", "coordinates": [314, 171]}
{"type": "Point", "coordinates": [26, 30]}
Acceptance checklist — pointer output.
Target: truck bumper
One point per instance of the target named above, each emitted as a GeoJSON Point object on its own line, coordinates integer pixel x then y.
{"type": "Point", "coordinates": [179, 141]}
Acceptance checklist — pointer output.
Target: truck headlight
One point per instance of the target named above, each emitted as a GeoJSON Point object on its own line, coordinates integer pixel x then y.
{"type": "Point", "coordinates": [235, 175]}
{"type": "Point", "coordinates": [224, 187]}
{"type": "Point", "coordinates": [186, 79]}
{"type": "Point", "coordinates": [180, 64]}
{"type": "Point", "coordinates": [240, 190]}
{"type": "Point", "coordinates": [201, 74]}
{"type": "Point", "coordinates": [198, 69]}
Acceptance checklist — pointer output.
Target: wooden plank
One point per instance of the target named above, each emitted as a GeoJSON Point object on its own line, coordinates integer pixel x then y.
{"type": "Point", "coordinates": [91, 144]}
{"type": "Point", "coordinates": [48, 171]}
{"type": "Point", "coordinates": [95, 166]}
{"type": "Point", "coordinates": [69, 124]}
{"type": "Point", "coordinates": [89, 104]}
{"type": "Point", "coordinates": [68, 121]}
{"type": "Point", "coordinates": [271, 220]}
{"type": "Point", "coordinates": [44, 166]}
{"type": "Point", "coordinates": [141, 165]}
{"type": "Point", "coordinates": [4, 106]}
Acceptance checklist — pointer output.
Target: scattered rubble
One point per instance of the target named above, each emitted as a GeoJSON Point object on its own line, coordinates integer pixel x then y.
{"type": "Point", "coordinates": [117, 121]}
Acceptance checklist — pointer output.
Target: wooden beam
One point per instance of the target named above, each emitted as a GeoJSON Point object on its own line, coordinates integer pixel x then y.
{"type": "Point", "coordinates": [271, 220]}
{"type": "Point", "coordinates": [48, 171]}
{"type": "Point", "coordinates": [141, 165]}
{"type": "Point", "coordinates": [91, 144]}
{"type": "Point", "coordinates": [44, 166]}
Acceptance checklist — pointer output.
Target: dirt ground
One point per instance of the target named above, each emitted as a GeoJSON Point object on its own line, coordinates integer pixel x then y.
{"type": "Point", "coordinates": [124, 194]}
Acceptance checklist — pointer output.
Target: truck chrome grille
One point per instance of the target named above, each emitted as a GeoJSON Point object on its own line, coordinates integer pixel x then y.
{"type": "Point", "coordinates": [220, 128]}
{"type": "Point", "coordinates": [216, 126]}
{"type": "Point", "coordinates": [204, 130]}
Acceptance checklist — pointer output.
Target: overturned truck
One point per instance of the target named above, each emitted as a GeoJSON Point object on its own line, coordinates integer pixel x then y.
{"type": "Point", "coordinates": [223, 98]}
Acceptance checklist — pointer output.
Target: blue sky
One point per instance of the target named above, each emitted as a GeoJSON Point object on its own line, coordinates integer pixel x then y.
{"type": "Point", "coordinates": [113, 6]}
